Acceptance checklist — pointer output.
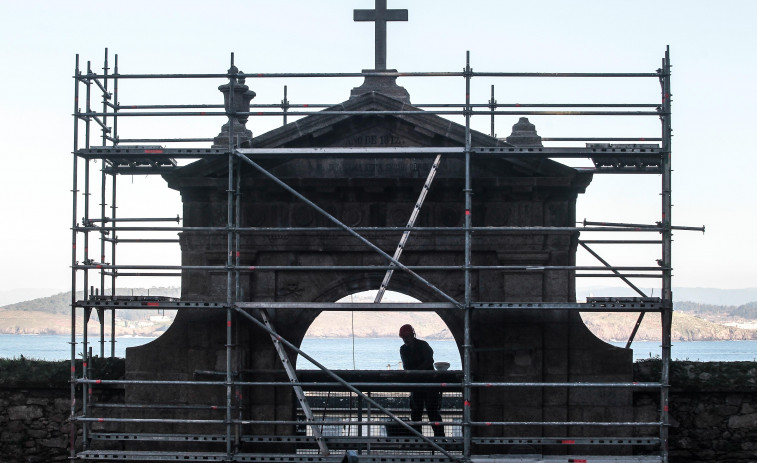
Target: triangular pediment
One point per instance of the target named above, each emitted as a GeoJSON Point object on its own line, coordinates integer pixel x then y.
{"type": "Point", "coordinates": [394, 125]}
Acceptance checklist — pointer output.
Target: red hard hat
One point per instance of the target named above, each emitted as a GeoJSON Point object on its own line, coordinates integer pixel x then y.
{"type": "Point", "coordinates": [406, 330]}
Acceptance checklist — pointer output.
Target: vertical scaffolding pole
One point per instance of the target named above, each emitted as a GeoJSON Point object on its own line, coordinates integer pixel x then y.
{"type": "Point", "coordinates": [229, 260]}
{"type": "Point", "coordinates": [113, 236]}
{"type": "Point", "coordinates": [285, 105]}
{"type": "Point", "coordinates": [667, 237]}
{"type": "Point", "coordinates": [87, 311]}
{"type": "Point", "coordinates": [237, 287]}
{"type": "Point", "coordinates": [103, 182]}
{"type": "Point", "coordinates": [467, 316]}
{"type": "Point", "coordinates": [74, 198]}
{"type": "Point", "coordinates": [492, 107]}
{"type": "Point", "coordinates": [103, 176]}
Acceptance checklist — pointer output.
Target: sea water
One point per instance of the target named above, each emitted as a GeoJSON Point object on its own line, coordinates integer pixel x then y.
{"type": "Point", "coordinates": [366, 353]}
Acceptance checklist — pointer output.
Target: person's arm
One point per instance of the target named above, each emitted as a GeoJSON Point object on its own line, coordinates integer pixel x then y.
{"type": "Point", "coordinates": [403, 357]}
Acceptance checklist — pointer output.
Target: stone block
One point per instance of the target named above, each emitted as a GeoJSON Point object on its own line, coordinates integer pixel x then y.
{"type": "Point", "coordinates": [11, 437]}
{"type": "Point", "coordinates": [24, 412]}
{"type": "Point", "coordinates": [743, 421]}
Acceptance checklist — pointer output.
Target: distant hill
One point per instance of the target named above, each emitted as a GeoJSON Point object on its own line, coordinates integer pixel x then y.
{"type": "Point", "coordinates": [61, 303]}
{"type": "Point", "coordinates": [714, 296]}
{"type": "Point", "coordinates": [686, 327]}
{"type": "Point", "coordinates": [692, 320]}
{"type": "Point", "coordinates": [12, 296]}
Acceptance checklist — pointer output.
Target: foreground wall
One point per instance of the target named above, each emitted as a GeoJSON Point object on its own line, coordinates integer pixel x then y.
{"type": "Point", "coordinates": [713, 409]}
{"type": "Point", "coordinates": [713, 412]}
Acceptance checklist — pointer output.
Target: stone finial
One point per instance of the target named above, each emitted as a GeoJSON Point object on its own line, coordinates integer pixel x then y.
{"type": "Point", "coordinates": [386, 85]}
{"type": "Point", "coordinates": [237, 125]}
{"type": "Point", "coordinates": [524, 134]}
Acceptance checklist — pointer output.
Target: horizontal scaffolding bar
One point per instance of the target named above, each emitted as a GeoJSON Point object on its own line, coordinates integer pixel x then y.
{"type": "Point", "coordinates": [128, 107]}
{"type": "Point", "coordinates": [350, 440]}
{"type": "Point", "coordinates": [439, 112]}
{"type": "Point", "coordinates": [165, 140]}
{"type": "Point", "coordinates": [385, 385]}
{"type": "Point", "coordinates": [592, 305]}
{"type": "Point", "coordinates": [339, 268]}
{"type": "Point", "coordinates": [140, 240]}
{"type": "Point", "coordinates": [269, 75]}
{"type": "Point", "coordinates": [152, 456]}
{"type": "Point", "coordinates": [544, 230]}
{"type": "Point", "coordinates": [141, 274]}
{"type": "Point", "coordinates": [134, 219]}
{"type": "Point", "coordinates": [621, 241]}
{"type": "Point", "coordinates": [566, 423]}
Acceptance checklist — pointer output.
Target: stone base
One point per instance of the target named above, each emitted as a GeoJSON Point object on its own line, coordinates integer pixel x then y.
{"type": "Point", "coordinates": [386, 85]}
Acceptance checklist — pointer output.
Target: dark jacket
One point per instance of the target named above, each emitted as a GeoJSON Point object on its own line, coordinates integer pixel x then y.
{"type": "Point", "coordinates": [417, 355]}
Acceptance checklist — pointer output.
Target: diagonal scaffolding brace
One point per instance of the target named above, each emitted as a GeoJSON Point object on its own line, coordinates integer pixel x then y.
{"type": "Point", "coordinates": [347, 228]}
{"type": "Point", "coordinates": [410, 224]}
{"type": "Point", "coordinates": [625, 280]}
{"type": "Point", "coordinates": [346, 384]}
{"type": "Point", "coordinates": [297, 388]}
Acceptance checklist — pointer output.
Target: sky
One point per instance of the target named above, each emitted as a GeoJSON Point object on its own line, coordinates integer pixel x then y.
{"type": "Point", "coordinates": [714, 70]}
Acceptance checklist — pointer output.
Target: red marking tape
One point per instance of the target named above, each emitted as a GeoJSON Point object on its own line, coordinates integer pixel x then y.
{"type": "Point", "coordinates": [84, 365]}
{"type": "Point", "coordinates": [488, 384]}
{"type": "Point", "coordinates": [73, 369]}
{"type": "Point", "coordinates": [202, 113]}
{"type": "Point", "coordinates": [488, 423]}
{"type": "Point", "coordinates": [436, 423]}
{"type": "Point", "coordinates": [260, 113]}
{"type": "Point", "coordinates": [467, 212]}
{"type": "Point", "coordinates": [213, 407]}
{"type": "Point", "coordinates": [153, 151]}
{"type": "Point", "coordinates": [252, 268]}
{"type": "Point", "coordinates": [444, 384]}
{"type": "Point", "coordinates": [228, 323]}
{"type": "Point", "coordinates": [666, 408]}
{"type": "Point", "coordinates": [239, 253]}
{"type": "Point", "coordinates": [517, 105]}
{"type": "Point", "coordinates": [568, 442]}
{"type": "Point", "coordinates": [153, 304]}
{"type": "Point", "coordinates": [466, 403]}
{"type": "Point", "coordinates": [100, 420]}
{"type": "Point", "coordinates": [306, 106]}
{"type": "Point", "coordinates": [576, 461]}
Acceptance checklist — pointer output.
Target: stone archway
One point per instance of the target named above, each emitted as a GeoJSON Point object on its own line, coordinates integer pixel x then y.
{"type": "Point", "coordinates": [367, 340]}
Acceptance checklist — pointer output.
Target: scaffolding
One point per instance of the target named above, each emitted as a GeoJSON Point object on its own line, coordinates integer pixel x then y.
{"type": "Point", "coordinates": [96, 138]}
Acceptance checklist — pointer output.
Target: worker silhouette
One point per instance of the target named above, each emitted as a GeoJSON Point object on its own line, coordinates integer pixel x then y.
{"type": "Point", "coordinates": [417, 355]}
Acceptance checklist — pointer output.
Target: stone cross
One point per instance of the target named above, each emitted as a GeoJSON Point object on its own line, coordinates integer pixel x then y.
{"type": "Point", "coordinates": [380, 15]}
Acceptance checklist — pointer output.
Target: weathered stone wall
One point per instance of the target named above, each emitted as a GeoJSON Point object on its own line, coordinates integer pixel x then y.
{"type": "Point", "coordinates": [34, 424]}
{"type": "Point", "coordinates": [713, 410]}
{"type": "Point", "coordinates": [35, 405]}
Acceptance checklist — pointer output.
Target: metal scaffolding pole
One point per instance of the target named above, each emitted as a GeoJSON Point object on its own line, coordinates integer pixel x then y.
{"type": "Point", "coordinates": [86, 259]}
{"type": "Point", "coordinates": [468, 192]}
{"type": "Point", "coordinates": [230, 223]}
{"type": "Point", "coordinates": [74, 204]}
{"type": "Point", "coordinates": [667, 238]}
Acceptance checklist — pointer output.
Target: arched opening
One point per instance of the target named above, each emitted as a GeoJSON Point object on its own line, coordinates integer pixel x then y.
{"type": "Point", "coordinates": [368, 343]}
{"type": "Point", "coordinates": [369, 340]}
